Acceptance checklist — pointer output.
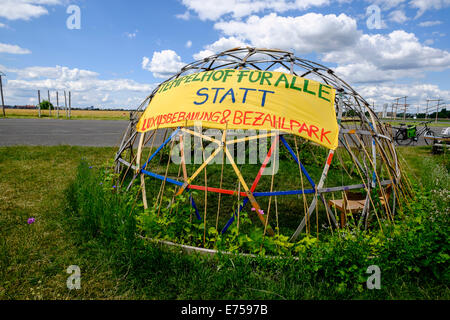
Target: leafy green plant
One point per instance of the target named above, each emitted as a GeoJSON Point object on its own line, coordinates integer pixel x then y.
{"type": "Point", "coordinates": [46, 105]}
{"type": "Point", "coordinates": [414, 247]}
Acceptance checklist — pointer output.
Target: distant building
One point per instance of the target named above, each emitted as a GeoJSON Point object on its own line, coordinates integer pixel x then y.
{"type": "Point", "coordinates": [25, 107]}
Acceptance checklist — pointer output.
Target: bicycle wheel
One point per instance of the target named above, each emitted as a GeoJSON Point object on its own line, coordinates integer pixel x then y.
{"type": "Point", "coordinates": [429, 133]}
{"type": "Point", "coordinates": [401, 138]}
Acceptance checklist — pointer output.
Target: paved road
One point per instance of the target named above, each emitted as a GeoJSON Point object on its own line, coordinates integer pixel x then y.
{"type": "Point", "coordinates": [50, 132]}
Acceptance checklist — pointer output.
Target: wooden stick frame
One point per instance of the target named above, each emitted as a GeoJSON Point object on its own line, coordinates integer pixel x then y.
{"type": "Point", "coordinates": [361, 125]}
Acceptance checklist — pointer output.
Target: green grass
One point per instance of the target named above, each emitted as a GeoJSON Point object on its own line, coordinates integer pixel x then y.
{"type": "Point", "coordinates": [75, 114]}
{"type": "Point", "coordinates": [34, 258]}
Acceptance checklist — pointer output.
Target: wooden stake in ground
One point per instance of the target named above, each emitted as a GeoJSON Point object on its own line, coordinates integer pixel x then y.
{"type": "Point", "coordinates": [206, 198]}
{"type": "Point", "coordinates": [39, 101]}
{"type": "Point", "coordinates": [3, 102]}
{"type": "Point", "coordinates": [138, 160]}
{"type": "Point", "coordinates": [57, 105]}
{"type": "Point", "coordinates": [49, 104]}
{"type": "Point", "coordinates": [70, 105]}
{"type": "Point", "coordinates": [224, 139]}
{"type": "Point", "coordinates": [65, 103]}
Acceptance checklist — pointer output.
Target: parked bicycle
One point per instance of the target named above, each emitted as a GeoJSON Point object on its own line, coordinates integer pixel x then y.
{"type": "Point", "coordinates": [408, 133]}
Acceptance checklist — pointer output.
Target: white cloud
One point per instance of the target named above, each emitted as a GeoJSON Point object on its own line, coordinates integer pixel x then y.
{"type": "Point", "coordinates": [184, 16]}
{"type": "Point", "coordinates": [13, 49]}
{"type": "Point", "coordinates": [188, 44]}
{"type": "Point", "coordinates": [131, 35]}
{"type": "Point", "coordinates": [164, 63]}
{"type": "Point", "coordinates": [360, 58]}
{"type": "Point", "coordinates": [425, 5]}
{"type": "Point", "coordinates": [430, 23]}
{"type": "Point", "coordinates": [87, 89]}
{"type": "Point", "coordinates": [437, 33]}
{"type": "Point", "coordinates": [311, 32]}
{"type": "Point", "coordinates": [387, 4]}
{"type": "Point", "coordinates": [398, 16]}
{"type": "Point", "coordinates": [214, 9]}
{"type": "Point", "coordinates": [2, 25]}
{"type": "Point", "coordinates": [24, 9]}
{"type": "Point", "coordinates": [387, 57]}
{"type": "Point", "coordinates": [282, 69]}
{"type": "Point", "coordinates": [220, 45]}
{"type": "Point", "coordinates": [57, 72]}
{"type": "Point", "coordinates": [416, 93]}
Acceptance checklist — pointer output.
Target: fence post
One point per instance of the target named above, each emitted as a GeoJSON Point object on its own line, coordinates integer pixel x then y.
{"type": "Point", "coordinates": [49, 105]}
{"type": "Point", "coordinates": [70, 105]}
{"type": "Point", "coordinates": [39, 101]}
{"type": "Point", "coordinates": [3, 102]}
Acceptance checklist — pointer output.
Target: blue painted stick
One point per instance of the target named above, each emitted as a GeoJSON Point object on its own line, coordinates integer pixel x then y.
{"type": "Point", "coordinates": [194, 206]}
{"type": "Point", "coordinates": [232, 218]}
{"type": "Point", "coordinates": [160, 147]}
{"type": "Point", "coordinates": [160, 177]}
{"type": "Point", "coordinates": [296, 160]}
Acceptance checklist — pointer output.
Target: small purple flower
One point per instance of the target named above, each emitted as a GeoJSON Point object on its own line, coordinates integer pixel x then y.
{"type": "Point", "coordinates": [260, 211]}
{"type": "Point", "coordinates": [90, 167]}
{"type": "Point", "coordinates": [114, 187]}
{"type": "Point", "coordinates": [101, 183]}
{"type": "Point", "coordinates": [30, 220]}
{"type": "Point", "coordinates": [253, 209]}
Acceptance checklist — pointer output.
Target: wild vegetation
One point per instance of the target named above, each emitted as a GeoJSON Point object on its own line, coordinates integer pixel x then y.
{"type": "Point", "coordinates": [85, 220]}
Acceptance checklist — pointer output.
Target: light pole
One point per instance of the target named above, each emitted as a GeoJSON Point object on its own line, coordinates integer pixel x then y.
{"type": "Point", "coordinates": [396, 107]}
{"type": "Point", "coordinates": [437, 106]}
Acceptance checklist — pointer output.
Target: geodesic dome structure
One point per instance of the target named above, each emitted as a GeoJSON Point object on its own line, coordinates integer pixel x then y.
{"type": "Point", "coordinates": [365, 151]}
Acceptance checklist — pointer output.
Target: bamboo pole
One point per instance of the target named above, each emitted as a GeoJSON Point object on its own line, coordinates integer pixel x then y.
{"type": "Point", "coordinates": [388, 210]}
{"type": "Point", "coordinates": [164, 139]}
{"type": "Point", "coordinates": [144, 194]}
{"type": "Point", "coordinates": [206, 197]}
{"type": "Point", "coordinates": [239, 205]}
{"type": "Point", "coordinates": [305, 203]}
{"type": "Point", "coordinates": [224, 139]}
{"type": "Point", "coordinates": [271, 189]}
{"type": "Point", "coordinates": [365, 187]}
{"type": "Point", "coordinates": [263, 135]}
{"type": "Point", "coordinates": [163, 184]}
{"type": "Point", "coordinates": [139, 154]}
{"type": "Point", "coordinates": [247, 190]}
{"type": "Point", "coordinates": [276, 213]}
{"type": "Point", "coordinates": [196, 173]}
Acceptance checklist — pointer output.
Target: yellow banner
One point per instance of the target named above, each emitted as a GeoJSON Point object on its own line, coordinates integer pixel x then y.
{"type": "Point", "coordinates": [246, 99]}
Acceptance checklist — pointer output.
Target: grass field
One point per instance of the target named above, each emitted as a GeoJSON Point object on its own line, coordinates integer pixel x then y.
{"type": "Point", "coordinates": [125, 115]}
{"type": "Point", "coordinates": [34, 258]}
{"type": "Point", "coordinates": [75, 114]}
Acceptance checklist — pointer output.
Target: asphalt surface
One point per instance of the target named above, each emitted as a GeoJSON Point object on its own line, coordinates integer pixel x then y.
{"type": "Point", "coordinates": [51, 132]}
{"type": "Point", "coordinates": [99, 133]}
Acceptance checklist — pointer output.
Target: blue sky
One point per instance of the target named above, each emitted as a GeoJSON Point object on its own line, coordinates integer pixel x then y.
{"type": "Point", "coordinates": [123, 49]}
